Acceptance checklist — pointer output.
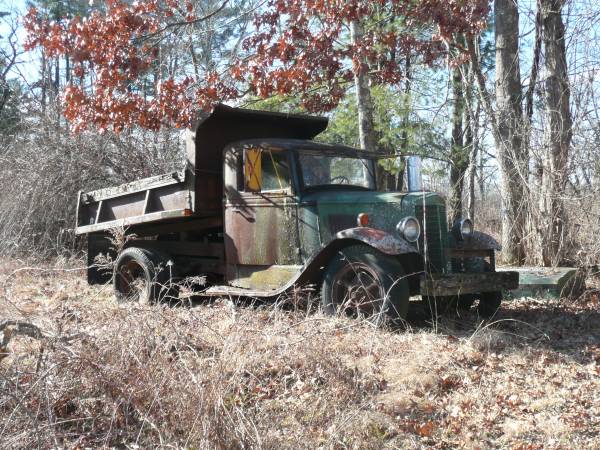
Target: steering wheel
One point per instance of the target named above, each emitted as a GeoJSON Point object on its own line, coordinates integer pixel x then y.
{"type": "Point", "coordinates": [343, 179]}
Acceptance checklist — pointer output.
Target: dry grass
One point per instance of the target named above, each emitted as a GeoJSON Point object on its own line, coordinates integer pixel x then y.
{"type": "Point", "coordinates": [224, 375]}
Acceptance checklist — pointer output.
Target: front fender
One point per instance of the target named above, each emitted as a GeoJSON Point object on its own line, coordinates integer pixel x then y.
{"type": "Point", "coordinates": [480, 241]}
{"type": "Point", "coordinates": [381, 240]}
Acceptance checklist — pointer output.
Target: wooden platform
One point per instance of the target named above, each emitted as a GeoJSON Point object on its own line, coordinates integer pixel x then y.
{"type": "Point", "coordinates": [547, 282]}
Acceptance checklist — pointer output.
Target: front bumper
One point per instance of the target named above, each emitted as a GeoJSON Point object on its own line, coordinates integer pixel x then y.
{"type": "Point", "coordinates": [439, 284]}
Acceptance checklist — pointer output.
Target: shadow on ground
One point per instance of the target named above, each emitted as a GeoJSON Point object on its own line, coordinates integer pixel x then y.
{"type": "Point", "coordinates": [568, 327]}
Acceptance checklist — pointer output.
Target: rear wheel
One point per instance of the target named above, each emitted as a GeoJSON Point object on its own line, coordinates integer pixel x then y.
{"type": "Point", "coordinates": [363, 282]}
{"type": "Point", "coordinates": [143, 276]}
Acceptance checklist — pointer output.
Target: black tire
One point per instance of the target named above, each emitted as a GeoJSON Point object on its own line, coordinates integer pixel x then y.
{"type": "Point", "coordinates": [489, 303]}
{"type": "Point", "coordinates": [143, 276]}
{"type": "Point", "coordinates": [364, 282]}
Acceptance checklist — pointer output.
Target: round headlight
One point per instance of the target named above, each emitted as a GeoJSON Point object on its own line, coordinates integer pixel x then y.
{"type": "Point", "coordinates": [466, 228]}
{"type": "Point", "coordinates": [463, 229]}
{"type": "Point", "coordinates": [409, 228]}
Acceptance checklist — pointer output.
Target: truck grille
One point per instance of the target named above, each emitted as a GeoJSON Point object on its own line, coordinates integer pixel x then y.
{"type": "Point", "coordinates": [436, 234]}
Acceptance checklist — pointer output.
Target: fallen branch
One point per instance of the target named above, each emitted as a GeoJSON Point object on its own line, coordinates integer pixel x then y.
{"type": "Point", "coordinates": [10, 328]}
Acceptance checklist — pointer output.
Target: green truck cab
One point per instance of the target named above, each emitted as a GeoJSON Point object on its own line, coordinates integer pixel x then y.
{"type": "Point", "coordinates": [261, 209]}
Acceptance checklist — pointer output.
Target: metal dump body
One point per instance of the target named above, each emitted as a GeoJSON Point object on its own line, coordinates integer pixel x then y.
{"type": "Point", "coordinates": [152, 199]}
{"type": "Point", "coordinates": [197, 190]}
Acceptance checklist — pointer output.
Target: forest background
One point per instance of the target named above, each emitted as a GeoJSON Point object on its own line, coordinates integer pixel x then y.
{"type": "Point", "coordinates": [500, 98]}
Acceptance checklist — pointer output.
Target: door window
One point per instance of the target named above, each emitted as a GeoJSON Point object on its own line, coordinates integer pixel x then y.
{"type": "Point", "coordinates": [266, 170]}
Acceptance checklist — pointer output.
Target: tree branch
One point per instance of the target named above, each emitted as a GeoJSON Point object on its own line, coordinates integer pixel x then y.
{"type": "Point", "coordinates": [185, 22]}
{"type": "Point", "coordinates": [534, 66]}
{"type": "Point", "coordinates": [484, 95]}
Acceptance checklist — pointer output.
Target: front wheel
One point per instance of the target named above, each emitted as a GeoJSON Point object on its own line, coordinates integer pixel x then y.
{"type": "Point", "coordinates": [361, 281]}
{"type": "Point", "coordinates": [489, 303]}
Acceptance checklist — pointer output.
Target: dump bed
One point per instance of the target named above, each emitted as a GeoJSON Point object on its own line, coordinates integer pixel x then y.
{"type": "Point", "coordinates": [152, 199]}
{"type": "Point", "coordinates": [197, 190]}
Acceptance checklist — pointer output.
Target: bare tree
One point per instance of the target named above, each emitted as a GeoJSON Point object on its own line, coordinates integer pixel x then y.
{"type": "Point", "coordinates": [507, 126]}
{"type": "Point", "coordinates": [9, 53]}
{"type": "Point", "coordinates": [458, 158]}
{"type": "Point", "coordinates": [558, 133]}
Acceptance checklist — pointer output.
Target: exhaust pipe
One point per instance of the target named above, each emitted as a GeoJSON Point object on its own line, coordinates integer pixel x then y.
{"type": "Point", "coordinates": [413, 174]}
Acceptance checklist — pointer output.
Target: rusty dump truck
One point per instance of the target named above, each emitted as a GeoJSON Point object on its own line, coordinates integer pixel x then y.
{"type": "Point", "coordinates": [261, 208]}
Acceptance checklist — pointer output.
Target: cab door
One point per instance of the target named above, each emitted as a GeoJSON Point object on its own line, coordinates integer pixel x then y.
{"type": "Point", "coordinates": [261, 220]}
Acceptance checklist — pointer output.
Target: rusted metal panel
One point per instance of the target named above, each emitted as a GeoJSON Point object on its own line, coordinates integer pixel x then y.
{"type": "Point", "coordinates": [337, 222]}
{"type": "Point", "coordinates": [261, 230]}
{"type": "Point", "coordinates": [468, 283]}
{"type": "Point", "coordinates": [175, 248]}
{"type": "Point", "coordinates": [308, 228]}
{"type": "Point", "coordinates": [195, 224]}
{"type": "Point", "coordinates": [265, 277]}
{"type": "Point", "coordinates": [133, 187]}
{"type": "Point", "coordinates": [379, 239]}
{"type": "Point", "coordinates": [135, 220]}
{"type": "Point", "coordinates": [150, 200]}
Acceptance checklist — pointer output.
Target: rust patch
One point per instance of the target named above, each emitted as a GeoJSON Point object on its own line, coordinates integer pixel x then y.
{"type": "Point", "coordinates": [379, 239]}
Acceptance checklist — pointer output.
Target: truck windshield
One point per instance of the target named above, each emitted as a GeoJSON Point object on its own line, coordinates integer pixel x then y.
{"type": "Point", "coordinates": [324, 170]}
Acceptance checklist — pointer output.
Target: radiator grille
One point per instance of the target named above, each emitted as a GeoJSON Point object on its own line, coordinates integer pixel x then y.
{"type": "Point", "coordinates": [435, 231]}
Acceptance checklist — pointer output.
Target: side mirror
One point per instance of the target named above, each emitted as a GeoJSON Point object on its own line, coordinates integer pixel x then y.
{"type": "Point", "coordinates": [252, 170]}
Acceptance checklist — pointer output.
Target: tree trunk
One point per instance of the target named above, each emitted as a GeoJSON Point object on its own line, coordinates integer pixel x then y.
{"type": "Point", "coordinates": [512, 158]}
{"type": "Point", "coordinates": [457, 152]}
{"type": "Point", "coordinates": [366, 122]}
{"type": "Point", "coordinates": [557, 133]}
{"type": "Point", "coordinates": [473, 146]}
{"type": "Point", "coordinates": [405, 122]}
{"type": "Point", "coordinates": [366, 118]}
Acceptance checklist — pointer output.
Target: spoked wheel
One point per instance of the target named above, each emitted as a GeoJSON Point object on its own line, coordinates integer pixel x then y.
{"type": "Point", "coordinates": [143, 276]}
{"type": "Point", "coordinates": [357, 290]}
{"type": "Point", "coordinates": [363, 282]}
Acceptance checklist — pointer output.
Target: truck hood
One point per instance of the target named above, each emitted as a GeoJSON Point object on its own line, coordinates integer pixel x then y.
{"type": "Point", "coordinates": [338, 209]}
